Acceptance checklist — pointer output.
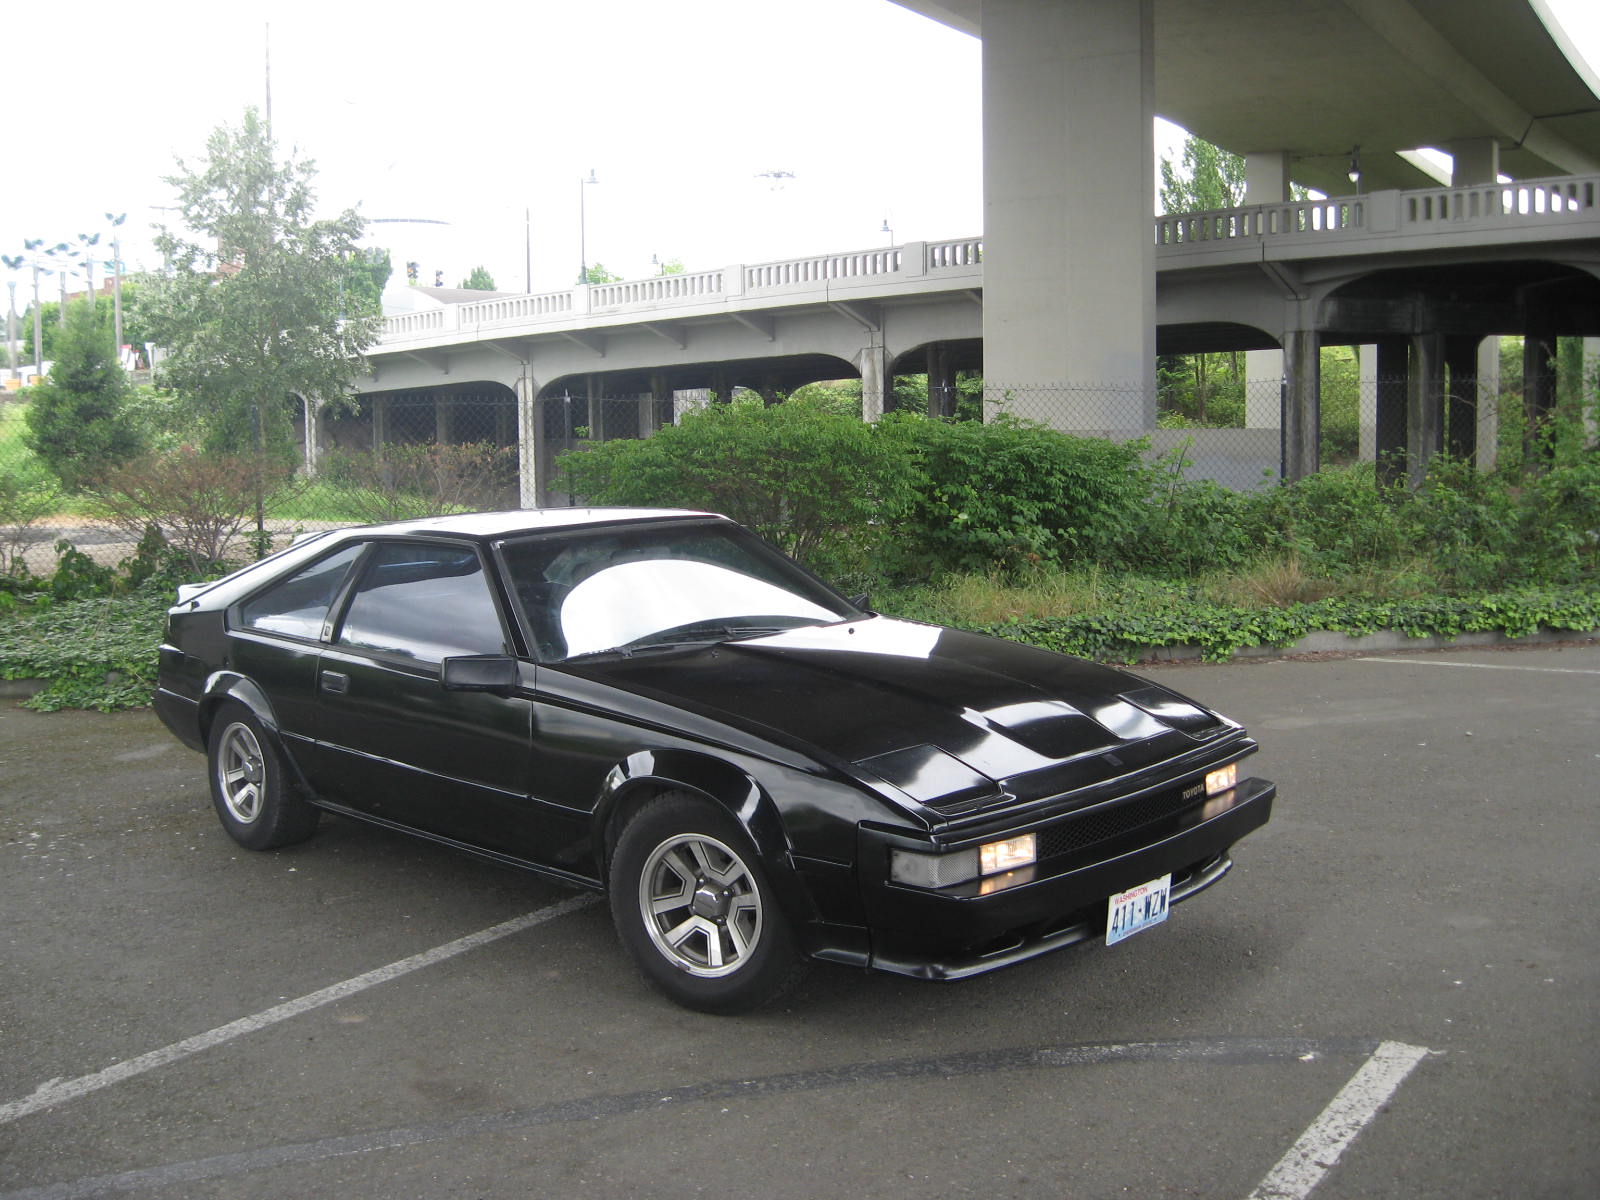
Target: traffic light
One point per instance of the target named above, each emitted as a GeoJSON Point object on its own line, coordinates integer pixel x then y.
{"type": "Point", "coordinates": [411, 273]}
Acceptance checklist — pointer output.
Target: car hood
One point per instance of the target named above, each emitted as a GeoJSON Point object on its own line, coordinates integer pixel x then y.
{"type": "Point", "coordinates": [941, 714]}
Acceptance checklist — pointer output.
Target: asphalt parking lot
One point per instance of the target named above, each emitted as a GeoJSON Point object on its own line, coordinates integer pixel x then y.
{"type": "Point", "coordinates": [1394, 994]}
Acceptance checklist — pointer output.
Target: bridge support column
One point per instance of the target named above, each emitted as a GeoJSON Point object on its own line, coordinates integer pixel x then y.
{"type": "Point", "coordinates": [1488, 403]}
{"type": "Point", "coordinates": [873, 363]}
{"type": "Point", "coordinates": [1069, 263]}
{"type": "Point", "coordinates": [313, 434]}
{"type": "Point", "coordinates": [1461, 404]}
{"type": "Point", "coordinates": [941, 383]}
{"type": "Point", "coordinates": [380, 421]}
{"type": "Point", "coordinates": [1367, 403]}
{"type": "Point", "coordinates": [660, 402]}
{"type": "Point", "coordinates": [1424, 405]}
{"type": "Point", "coordinates": [1538, 388]}
{"type": "Point", "coordinates": [530, 443]}
{"type": "Point", "coordinates": [1266, 181]}
{"type": "Point", "coordinates": [1302, 408]}
{"type": "Point", "coordinates": [1474, 161]}
{"type": "Point", "coordinates": [1389, 426]}
{"type": "Point", "coordinates": [596, 419]}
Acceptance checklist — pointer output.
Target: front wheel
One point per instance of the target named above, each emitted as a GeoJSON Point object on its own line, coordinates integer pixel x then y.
{"type": "Point", "coordinates": [258, 807]}
{"type": "Point", "coordinates": [695, 910]}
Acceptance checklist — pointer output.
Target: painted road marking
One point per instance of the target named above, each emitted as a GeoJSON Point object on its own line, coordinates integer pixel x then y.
{"type": "Point", "coordinates": [1347, 1114]}
{"type": "Point", "coordinates": [60, 1091]}
{"type": "Point", "coordinates": [1235, 1051]}
{"type": "Point", "coordinates": [1426, 662]}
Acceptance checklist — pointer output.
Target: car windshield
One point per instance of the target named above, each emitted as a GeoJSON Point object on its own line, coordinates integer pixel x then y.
{"type": "Point", "coordinates": [656, 587]}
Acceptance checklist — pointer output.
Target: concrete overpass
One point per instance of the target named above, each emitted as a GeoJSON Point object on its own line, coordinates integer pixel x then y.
{"type": "Point", "coordinates": [1428, 272]}
{"type": "Point", "coordinates": [1306, 90]}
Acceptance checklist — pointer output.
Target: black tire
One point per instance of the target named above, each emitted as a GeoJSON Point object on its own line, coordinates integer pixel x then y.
{"type": "Point", "coordinates": [695, 910]}
{"type": "Point", "coordinates": [258, 806]}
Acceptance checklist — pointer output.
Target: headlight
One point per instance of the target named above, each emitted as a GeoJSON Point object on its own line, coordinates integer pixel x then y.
{"type": "Point", "coordinates": [1222, 779]}
{"type": "Point", "coordinates": [946, 870]}
{"type": "Point", "coordinates": [1007, 855]}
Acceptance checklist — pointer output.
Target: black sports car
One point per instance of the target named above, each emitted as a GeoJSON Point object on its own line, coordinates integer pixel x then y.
{"type": "Point", "coordinates": [658, 703]}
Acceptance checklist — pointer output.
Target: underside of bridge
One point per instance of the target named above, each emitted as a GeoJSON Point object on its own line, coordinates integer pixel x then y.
{"type": "Point", "coordinates": [1332, 94]}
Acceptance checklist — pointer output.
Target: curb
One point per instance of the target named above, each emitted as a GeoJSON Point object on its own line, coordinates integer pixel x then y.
{"type": "Point", "coordinates": [1326, 642]}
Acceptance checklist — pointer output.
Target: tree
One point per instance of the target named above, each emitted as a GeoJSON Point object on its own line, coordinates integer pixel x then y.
{"type": "Point", "coordinates": [77, 419]}
{"type": "Point", "coordinates": [479, 281]}
{"type": "Point", "coordinates": [1212, 178]}
{"type": "Point", "coordinates": [598, 274]}
{"type": "Point", "coordinates": [368, 274]}
{"type": "Point", "coordinates": [249, 307]}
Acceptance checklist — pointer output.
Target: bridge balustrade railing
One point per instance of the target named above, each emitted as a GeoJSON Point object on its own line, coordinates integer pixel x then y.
{"type": "Point", "coordinates": [822, 267]}
{"type": "Point", "coordinates": [1523, 199]}
{"type": "Point", "coordinates": [656, 290]}
{"type": "Point", "coordinates": [1333, 215]}
{"type": "Point", "coordinates": [515, 308]}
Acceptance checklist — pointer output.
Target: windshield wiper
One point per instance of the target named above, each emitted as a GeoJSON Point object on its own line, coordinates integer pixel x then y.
{"type": "Point", "coordinates": [700, 634]}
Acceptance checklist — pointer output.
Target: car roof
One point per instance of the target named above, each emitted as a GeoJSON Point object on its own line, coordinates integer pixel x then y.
{"type": "Point", "coordinates": [524, 520]}
{"type": "Point", "coordinates": [483, 525]}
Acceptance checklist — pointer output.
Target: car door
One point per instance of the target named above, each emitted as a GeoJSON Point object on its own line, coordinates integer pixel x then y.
{"type": "Point", "coordinates": [392, 743]}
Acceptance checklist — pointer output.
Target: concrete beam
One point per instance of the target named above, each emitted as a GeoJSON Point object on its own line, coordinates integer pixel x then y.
{"type": "Point", "coordinates": [1069, 99]}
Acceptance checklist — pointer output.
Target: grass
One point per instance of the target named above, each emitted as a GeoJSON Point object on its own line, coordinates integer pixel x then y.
{"type": "Point", "coordinates": [1275, 581]}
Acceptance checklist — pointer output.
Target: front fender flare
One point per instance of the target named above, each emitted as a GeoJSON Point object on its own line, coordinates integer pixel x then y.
{"type": "Point", "coordinates": [650, 772]}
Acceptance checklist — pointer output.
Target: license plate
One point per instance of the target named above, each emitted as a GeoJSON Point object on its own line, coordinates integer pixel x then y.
{"type": "Point", "coordinates": [1138, 908]}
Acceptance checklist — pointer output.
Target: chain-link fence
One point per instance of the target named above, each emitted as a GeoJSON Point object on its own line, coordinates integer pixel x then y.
{"type": "Point", "coordinates": [398, 455]}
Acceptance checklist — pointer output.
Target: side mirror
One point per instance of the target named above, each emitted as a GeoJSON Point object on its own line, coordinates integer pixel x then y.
{"type": "Point", "coordinates": [479, 673]}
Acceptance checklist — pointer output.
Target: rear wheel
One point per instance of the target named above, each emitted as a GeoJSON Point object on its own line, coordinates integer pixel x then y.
{"type": "Point", "coordinates": [694, 908]}
{"type": "Point", "coordinates": [256, 804]}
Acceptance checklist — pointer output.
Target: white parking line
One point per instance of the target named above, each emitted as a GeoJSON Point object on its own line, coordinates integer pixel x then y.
{"type": "Point", "coordinates": [59, 1091]}
{"type": "Point", "coordinates": [1347, 1114]}
{"type": "Point", "coordinates": [1429, 662]}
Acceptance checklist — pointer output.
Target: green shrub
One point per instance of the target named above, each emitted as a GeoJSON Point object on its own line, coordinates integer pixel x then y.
{"type": "Point", "coordinates": [810, 478]}
{"type": "Point", "coordinates": [1012, 495]}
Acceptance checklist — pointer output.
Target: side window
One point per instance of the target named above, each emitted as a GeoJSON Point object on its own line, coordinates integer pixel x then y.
{"type": "Point", "coordinates": [298, 605]}
{"type": "Point", "coordinates": [426, 602]}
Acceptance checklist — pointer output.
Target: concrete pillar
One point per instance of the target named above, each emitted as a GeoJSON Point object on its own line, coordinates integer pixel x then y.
{"type": "Point", "coordinates": [1538, 389]}
{"type": "Point", "coordinates": [873, 363]}
{"type": "Point", "coordinates": [1302, 409]}
{"type": "Point", "coordinates": [596, 408]}
{"type": "Point", "coordinates": [1488, 439]}
{"type": "Point", "coordinates": [1424, 404]}
{"type": "Point", "coordinates": [1474, 161]}
{"type": "Point", "coordinates": [313, 434]}
{"type": "Point", "coordinates": [1069, 263]}
{"type": "Point", "coordinates": [941, 382]}
{"type": "Point", "coordinates": [443, 412]}
{"type": "Point", "coordinates": [1266, 181]}
{"type": "Point", "coordinates": [530, 444]}
{"type": "Point", "coordinates": [1389, 424]}
{"type": "Point", "coordinates": [1266, 177]}
{"type": "Point", "coordinates": [380, 421]}
{"type": "Point", "coordinates": [1461, 403]}
{"type": "Point", "coordinates": [661, 402]}
{"type": "Point", "coordinates": [1367, 402]}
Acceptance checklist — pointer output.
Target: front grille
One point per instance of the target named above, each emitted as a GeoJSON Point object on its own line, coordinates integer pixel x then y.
{"type": "Point", "coordinates": [1110, 821]}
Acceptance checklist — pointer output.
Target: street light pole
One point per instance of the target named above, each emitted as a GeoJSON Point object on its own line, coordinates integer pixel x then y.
{"type": "Point", "coordinates": [11, 322]}
{"type": "Point", "coordinates": [583, 248]}
{"type": "Point", "coordinates": [38, 340]}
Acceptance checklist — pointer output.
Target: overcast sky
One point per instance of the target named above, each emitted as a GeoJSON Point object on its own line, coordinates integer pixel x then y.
{"type": "Point", "coordinates": [683, 110]}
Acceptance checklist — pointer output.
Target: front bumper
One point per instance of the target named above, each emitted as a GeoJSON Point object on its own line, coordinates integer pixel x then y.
{"type": "Point", "coordinates": [958, 932]}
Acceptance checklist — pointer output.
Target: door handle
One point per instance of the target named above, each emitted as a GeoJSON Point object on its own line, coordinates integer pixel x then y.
{"type": "Point", "coordinates": [336, 682]}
